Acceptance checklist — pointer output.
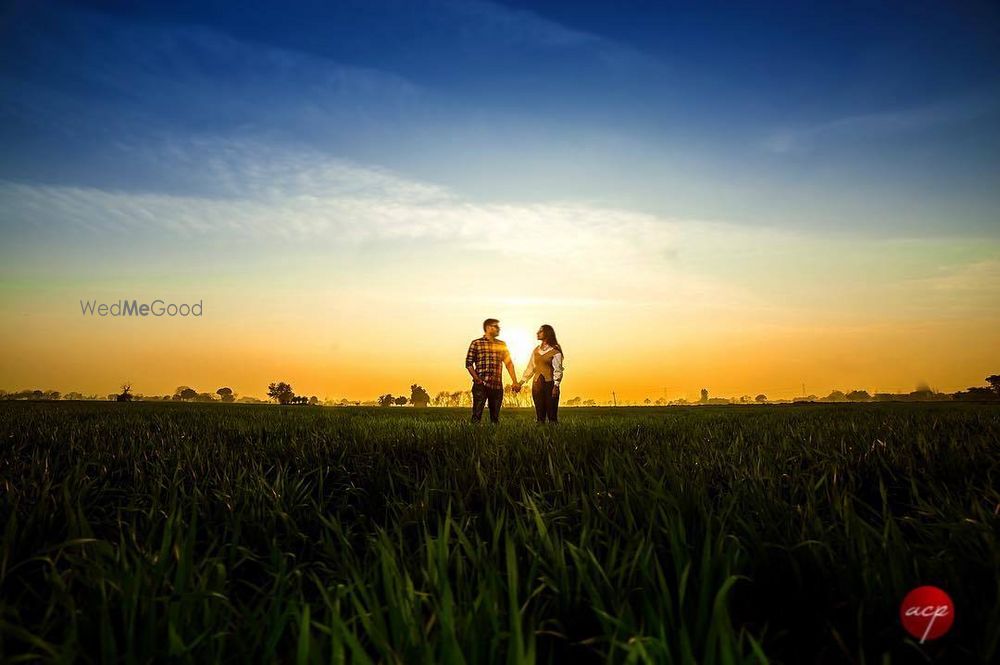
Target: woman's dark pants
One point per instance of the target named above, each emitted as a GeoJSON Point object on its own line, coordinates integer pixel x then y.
{"type": "Point", "coordinates": [546, 406]}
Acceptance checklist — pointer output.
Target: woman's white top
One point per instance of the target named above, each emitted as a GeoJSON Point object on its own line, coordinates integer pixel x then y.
{"type": "Point", "coordinates": [557, 365]}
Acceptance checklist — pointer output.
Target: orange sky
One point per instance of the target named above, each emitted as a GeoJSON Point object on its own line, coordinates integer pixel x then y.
{"type": "Point", "coordinates": [660, 308]}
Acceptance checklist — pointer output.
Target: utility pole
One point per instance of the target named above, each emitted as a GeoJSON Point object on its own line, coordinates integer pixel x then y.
{"type": "Point", "coordinates": [614, 398]}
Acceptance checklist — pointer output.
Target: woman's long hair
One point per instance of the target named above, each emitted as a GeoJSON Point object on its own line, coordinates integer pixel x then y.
{"type": "Point", "coordinates": [549, 334]}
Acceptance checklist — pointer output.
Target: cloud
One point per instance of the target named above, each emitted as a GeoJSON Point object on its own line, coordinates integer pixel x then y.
{"type": "Point", "coordinates": [979, 277]}
{"type": "Point", "coordinates": [914, 119]}
{"type": "Point", "coordinates": [514, 26]}
{"type": "Point", "coordinates": [79, 77]}
{"type": "Point", "coordinates": [295, 202]}
{"type": "Point", "coordinates": [266, 191]}
{"type": "Point", "coordinates": [286, 200]}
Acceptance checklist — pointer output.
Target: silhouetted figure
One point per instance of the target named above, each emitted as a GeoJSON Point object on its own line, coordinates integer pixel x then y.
{"type": "Point", "coordinates": [485, 361]}
{"type": "Point", "coordinates": [546, 365]}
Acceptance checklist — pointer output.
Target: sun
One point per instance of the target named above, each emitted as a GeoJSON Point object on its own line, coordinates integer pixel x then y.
{"type": "Point", "coordinates": [521, 343]}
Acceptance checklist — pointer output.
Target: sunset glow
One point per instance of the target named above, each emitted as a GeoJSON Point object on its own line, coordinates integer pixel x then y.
{"type": "Point", "coordinates": [521, 343]}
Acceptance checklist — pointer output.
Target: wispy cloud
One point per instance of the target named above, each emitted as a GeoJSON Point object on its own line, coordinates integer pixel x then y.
{"type": "Point", "coordinates": [94, 77]}
{"type": "Point", "coordinates": [289, 200]}
{"type": "Point", "coordinates": [981, 277]}
{"type": "Point", "coordinates": [266, 191]}
{"type": "Point", "coordinates": [480, 23]}
{"type": "Point", "coordinates": [495, 21]}
{"type": "Point", "coordinates": [913, 119]}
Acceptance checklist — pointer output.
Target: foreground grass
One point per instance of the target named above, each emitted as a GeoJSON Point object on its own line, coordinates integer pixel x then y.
{"type": "Point", "coordinates": [201, 533]}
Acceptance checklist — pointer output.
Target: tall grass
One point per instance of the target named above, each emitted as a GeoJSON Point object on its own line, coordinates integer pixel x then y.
{"type": "Point", "coordinates": [205, 533]}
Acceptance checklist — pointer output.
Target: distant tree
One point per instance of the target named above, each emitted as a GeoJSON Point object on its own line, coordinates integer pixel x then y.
{"type": "Point", "coordinates": [590, 402]}
{"type": "Point", "coordinates": [515, 399]}
{"type": "Point", "coordinates": [185, 392]}
{"type": "Point", "coordinates": [858, 396]}
{"type": "Point", "coordinates": [575, 401]}
{"type": "Point", "coordinates": [125, 395]}
{"type": "Point", "coordinates": [386, 400]}
{"type": "Point", "coordinates": [704, 395]}
{"type": "Point", "coordinates": [647, 401]}
{"type": "Point", "coordinates": [226, 394]}
{"type": "Point", "coordinates": [761, 398]}
{"type": "Point", "coordinates": [994, 381]}
{"type": "Point", "coordinates": [314, 401]}
{"type": "Point", "coordinates": [401, 400]}
{"type": "Point", "coordinates": [977, 394]}
{"type": "Point", "coordinates": [280, 392]}
{"type": "Point", "coordinates": [835, 396]}
{"type": "Point", "coordinates": [418, 396]}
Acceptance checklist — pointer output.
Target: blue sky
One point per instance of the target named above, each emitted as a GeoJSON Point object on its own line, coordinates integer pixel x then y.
{"type": "Point", "coordinates": [882, 118]}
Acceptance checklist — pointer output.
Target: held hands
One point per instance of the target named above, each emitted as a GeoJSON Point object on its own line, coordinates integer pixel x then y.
{"type": "Point", "coordinates": [555, 391]}
{"type": "Point", "coordinates": [516, 387]}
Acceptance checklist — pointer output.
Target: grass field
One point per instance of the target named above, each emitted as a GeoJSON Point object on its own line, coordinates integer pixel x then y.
{"type": "Point", "coordinates": [202, 533]}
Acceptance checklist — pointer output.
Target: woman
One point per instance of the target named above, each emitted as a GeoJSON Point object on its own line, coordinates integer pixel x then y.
{"type": "Point", "coordinates": [546, 365]}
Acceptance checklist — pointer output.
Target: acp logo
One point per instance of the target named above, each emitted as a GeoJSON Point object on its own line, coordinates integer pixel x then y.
{"type": "Point", "coordinates": [927, 613]}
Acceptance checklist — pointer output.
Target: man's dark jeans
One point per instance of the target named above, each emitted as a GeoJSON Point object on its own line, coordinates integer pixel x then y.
{"type": "Point", "coordinates": [480, 396]}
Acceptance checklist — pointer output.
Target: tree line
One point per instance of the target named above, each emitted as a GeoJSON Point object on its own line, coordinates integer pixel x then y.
{"type": "Point", "coordinates": [281, 392]}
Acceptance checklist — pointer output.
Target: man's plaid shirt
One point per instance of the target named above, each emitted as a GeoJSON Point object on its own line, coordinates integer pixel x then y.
{"type": "Point", "coordinates": [488, 359]}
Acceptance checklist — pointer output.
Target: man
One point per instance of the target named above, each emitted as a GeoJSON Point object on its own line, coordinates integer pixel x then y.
{"type": "Point", "coordinates": [485, 361]}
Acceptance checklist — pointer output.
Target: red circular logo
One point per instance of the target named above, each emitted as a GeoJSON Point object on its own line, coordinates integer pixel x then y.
{"type": "Point", "coordinates": [927, 613]}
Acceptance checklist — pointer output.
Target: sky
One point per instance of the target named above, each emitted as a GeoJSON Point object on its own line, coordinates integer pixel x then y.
{"type": "Point", "coordinates": [778, 199]}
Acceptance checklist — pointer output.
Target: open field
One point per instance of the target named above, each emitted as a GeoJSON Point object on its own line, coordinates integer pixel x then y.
{"type": "Point", "coordinates": [133, 532]}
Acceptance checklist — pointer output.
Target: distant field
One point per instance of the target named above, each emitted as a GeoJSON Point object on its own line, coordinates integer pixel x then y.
{"type": "Point", "coordinates": [201, 533]}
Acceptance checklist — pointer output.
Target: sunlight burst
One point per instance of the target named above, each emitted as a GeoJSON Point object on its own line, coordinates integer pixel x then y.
{"type": "Point", "coordinates": [521, 343]}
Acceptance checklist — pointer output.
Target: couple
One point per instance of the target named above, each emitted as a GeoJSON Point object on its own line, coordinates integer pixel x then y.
{"type": "Point", "coordinates": [486, 359]}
